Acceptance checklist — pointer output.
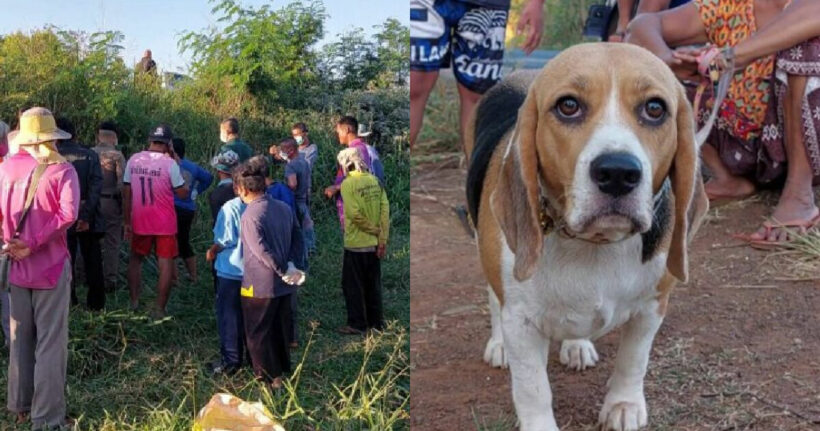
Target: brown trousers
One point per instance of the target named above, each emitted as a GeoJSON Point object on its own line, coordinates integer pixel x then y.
{"type": "Point", "coordinates": [39, 351]}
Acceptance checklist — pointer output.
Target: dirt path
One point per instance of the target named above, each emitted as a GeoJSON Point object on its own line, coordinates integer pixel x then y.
{"type": "Point", "coordinates": [738, 350]}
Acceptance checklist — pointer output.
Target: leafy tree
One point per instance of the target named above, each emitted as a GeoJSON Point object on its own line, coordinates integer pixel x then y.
{"type": "Point", "coordinates": [393, 48]}
{"type": "Point", "coordinates": [354, 62]}
{"type": "Point", "coordinates": [351, 61]}
{"type": "Point", "coordinates": [264, 51]}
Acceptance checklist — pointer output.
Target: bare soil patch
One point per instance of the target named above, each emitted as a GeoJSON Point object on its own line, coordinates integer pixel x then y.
{"type": "Point", "coordinates": [739, 349]}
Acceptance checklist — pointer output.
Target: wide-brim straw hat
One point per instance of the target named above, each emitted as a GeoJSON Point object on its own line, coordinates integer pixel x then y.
{"type": "Point", "coordinates": [37, 125]}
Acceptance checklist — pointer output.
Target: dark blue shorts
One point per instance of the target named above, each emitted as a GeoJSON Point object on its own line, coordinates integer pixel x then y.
{"type": "Point", "coordinates": [470, 37]}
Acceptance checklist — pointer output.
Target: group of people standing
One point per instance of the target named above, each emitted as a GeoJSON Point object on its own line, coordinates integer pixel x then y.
{"type": "Point", "coordinates": [60, 200]}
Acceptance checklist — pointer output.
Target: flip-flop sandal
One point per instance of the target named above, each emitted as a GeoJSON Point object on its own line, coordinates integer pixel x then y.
{"type": "Point", "coordinates": [802, 226]}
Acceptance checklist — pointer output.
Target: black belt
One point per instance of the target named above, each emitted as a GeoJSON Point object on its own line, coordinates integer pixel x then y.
{"type": "Point", "coordinates": [110, 195]}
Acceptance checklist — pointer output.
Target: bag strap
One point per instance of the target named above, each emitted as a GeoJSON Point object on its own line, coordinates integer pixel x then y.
{"type": "Point", "coordinates": [32, 190]}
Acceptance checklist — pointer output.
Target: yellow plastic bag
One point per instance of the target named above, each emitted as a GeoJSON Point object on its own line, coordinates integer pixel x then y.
{"type": "Point", "coordinates": [226, 412]}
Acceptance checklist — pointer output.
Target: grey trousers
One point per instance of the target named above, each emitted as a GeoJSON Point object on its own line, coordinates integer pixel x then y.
{"type": "Point", "coordinates": [39, 351]}
{"type": "Point", "coordinates": [4, 314]}
{"type": "Point", "coordinates": [111, 242]}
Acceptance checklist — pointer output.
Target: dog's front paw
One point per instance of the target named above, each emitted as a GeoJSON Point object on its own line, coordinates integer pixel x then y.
{"type": "Point", "coordinates": [578, 354]}
{"type": "Point", "coordinates": [623, 413]}
{"type": "Point", "coordinates": [494, 353]}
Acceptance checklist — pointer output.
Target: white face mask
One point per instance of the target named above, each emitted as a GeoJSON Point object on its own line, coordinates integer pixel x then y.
{"type": "Point", "coordinates": [283, 155]}
{"type": "Point", "coordinates": [223, 136]}
{"type": "Point", "coordinates": [299, 140]}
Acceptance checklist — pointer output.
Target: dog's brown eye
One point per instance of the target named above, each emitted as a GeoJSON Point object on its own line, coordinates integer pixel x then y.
{"type": "Point", "coordinates": [654, 110]}
{"type": "Point", "coordinates": [568, 107]}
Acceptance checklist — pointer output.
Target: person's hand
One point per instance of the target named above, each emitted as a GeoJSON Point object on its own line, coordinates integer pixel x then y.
{"type": "Point", "coordinates": [531, 20]}
{"type": "Point", "coordinates": [381, 250]}
{"type": "Point", "coordinates": [210, 255]}
{"type": "Point", "coordinates": [689, 54]}
{"type": "Point", "coordinates": [294, 276]}
{"type": "Point", "coordinates": [330, 191]}
{"type": "Point", "coordinates": [17, 249]}
{"type": "Point", "coordinates": [274, 151]}
{"type": "Point", "coordinates": [82, 226]}
{"type": "Point", "coordinates": [683, 69]}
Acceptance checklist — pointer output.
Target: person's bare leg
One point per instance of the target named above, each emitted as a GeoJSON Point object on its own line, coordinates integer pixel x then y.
{"type": "Point", "coordinates": [624, 16]}
{"type": "Point", "coordinates": [190, 264]}
{"type": "Point", "coordinates": [134, 279]}
{"type": "Point", "coordinates": [166, 267]}
{"type": "Point", "coordinates": [797, 198]}
{"type": "Point", "coordinates": [468, 99]}
{"type": "Point", "coordinates": [723, 184]}
{"type": "Point", "coordinates": [421, 84]}
{"type": "Point", "coordinates": [650, 6]}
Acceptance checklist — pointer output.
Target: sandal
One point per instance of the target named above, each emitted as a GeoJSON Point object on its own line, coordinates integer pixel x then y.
{"type": "Point", "coordinates": [801, 226]}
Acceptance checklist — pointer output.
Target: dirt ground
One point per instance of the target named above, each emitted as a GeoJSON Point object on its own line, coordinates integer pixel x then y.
{"type": "Point", "coordinates": [739, 349]}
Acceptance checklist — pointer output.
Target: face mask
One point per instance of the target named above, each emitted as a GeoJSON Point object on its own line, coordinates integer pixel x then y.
{"type": "Point", "coordinates": [283, 155]}
{"type": "Point", "coordinates": [299, 140]}
{"type": "Point", "coordinates": [223, 137]}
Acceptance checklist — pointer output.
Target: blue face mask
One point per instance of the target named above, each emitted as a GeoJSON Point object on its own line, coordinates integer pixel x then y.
{"type": "Point", "coordinates": [299, 140]}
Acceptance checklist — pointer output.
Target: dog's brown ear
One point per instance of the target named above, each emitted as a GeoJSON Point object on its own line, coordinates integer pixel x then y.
{"type": "Point", "coordinates": [683, 173]}
{"type": "Point", "coordinates": [515, 200]}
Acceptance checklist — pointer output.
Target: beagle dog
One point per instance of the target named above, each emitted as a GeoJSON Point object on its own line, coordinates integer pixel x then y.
{"type": "Point", "coordinates": [584, 189]}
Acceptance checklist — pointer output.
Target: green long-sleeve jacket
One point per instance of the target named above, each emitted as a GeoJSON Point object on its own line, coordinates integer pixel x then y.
{"type": "Point", "coordinates": [366, 209]}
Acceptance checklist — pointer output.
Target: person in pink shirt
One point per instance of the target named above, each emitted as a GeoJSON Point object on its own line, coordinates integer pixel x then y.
{"type": "Point", "coordinates": [150, 181]}
{"type": "Point", "coordinates": [39, 280]}
{"type": "Point", "coordinates": [347, 131]}
{"type": "Point", "coordinates": [4, 296]}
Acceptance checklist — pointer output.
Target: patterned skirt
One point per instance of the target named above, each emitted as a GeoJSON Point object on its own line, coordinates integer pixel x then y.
{"type": "Point", "coordinates": [763, 158]}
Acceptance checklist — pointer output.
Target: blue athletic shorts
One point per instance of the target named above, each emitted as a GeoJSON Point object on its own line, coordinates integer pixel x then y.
{"type": "Point", "coordinates": [470, 37]}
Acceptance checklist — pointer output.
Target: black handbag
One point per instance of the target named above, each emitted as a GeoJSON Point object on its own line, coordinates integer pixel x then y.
{"type": "Point", "coordinates": [5, 259]}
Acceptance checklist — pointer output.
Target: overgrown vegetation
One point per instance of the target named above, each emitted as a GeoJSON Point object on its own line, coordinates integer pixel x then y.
{"type": "Point", "coordinates": [261, 65]}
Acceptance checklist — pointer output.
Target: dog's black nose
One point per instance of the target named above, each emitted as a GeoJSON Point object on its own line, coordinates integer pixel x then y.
{"type": "Point", "coordinates": [616, 174]}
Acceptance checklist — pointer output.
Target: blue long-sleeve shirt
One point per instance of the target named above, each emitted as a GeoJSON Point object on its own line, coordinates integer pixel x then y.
{"type": "Point", "coordinates": [281, 192]}
{"type": "Point", "coordinates": [200, 180]}
{"type": "Point", "coordinates": [227, 235]}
